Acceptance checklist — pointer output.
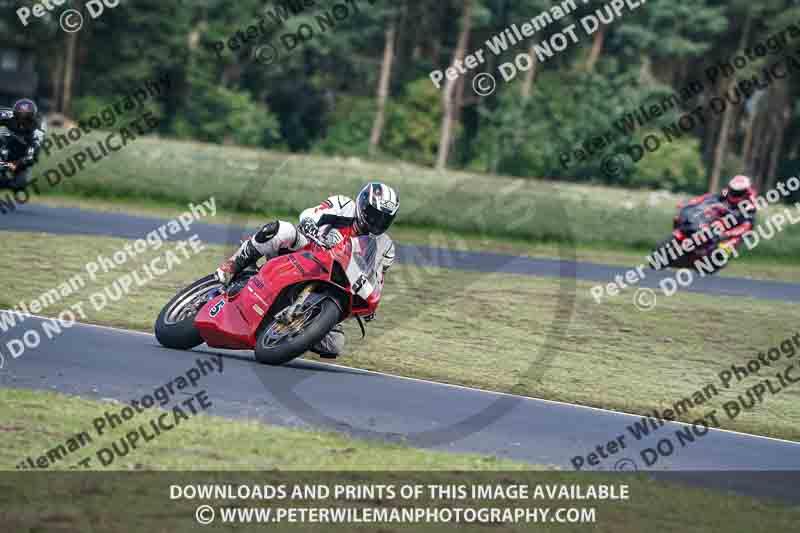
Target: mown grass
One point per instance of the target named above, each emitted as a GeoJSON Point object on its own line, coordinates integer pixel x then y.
{"type": "Point", "coordinates": [492, 331]}
{"type": "Point", "coordinates": [32, 426]}
{"type": "Point", "coordinates": [213, 450]}
{"type": "Point", "coordinates": [254, 181]}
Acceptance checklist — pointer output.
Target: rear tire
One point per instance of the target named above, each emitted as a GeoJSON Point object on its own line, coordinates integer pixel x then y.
{"type": "Point", "coordinates": [177, 331]}
{"type": "Point", "coordinates": [328, 316]}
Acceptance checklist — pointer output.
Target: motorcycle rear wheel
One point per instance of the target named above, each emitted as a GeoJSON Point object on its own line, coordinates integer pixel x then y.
{"type": "Point", "coordinates": [174, 327]}
{"type": "Point", "coordinates": [324, 316]}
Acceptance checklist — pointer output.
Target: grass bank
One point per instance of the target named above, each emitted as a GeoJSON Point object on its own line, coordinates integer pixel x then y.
{"type": "Point", "coordinates": [219, 450]}
{"type": "Point", "coordinates": [254, 181]}
{"type": "Point", "coordinates": [31, 427]}
{"type": "Point", "coordinates": [490, 331]}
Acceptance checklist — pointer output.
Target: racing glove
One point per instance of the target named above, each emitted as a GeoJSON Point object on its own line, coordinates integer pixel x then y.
{"type": "Point", "coordinates": [332, 238]}
{"type": "Point", "coordinates": [30, 156]}
{"type": "Point", "coordinates": [308, 227]}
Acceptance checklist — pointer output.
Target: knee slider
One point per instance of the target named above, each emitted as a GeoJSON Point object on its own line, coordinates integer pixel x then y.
{"type": "Point", "coordinates": [336, 340]}
{"type": "Point", "coordinates": [267, 232]}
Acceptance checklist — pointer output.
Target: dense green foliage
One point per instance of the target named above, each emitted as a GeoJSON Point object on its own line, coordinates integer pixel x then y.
{"type": "Point", "coordinates": [321, 95]}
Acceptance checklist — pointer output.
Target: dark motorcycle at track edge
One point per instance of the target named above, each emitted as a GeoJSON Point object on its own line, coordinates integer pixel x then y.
{"type": "Point", "coordinates": [695, 236]}
{"type": "Point", "coordinates": [8, 179]}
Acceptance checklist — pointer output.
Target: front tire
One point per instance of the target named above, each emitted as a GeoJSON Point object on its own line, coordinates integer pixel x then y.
{"type": "Point", "coordinates": [663, 247]}
{"type": "Point", "coordinates": [174, 326]}
{"type": "Point", "coordinates": [293, 346]}
{"type": "Point", "coordinates": [19, 183]}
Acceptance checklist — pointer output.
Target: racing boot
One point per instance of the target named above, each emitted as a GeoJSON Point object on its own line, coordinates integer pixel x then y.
{"type": "Point", "coordinates": [332, 345]}
{"type": "Point", "coordinates": [246, 255]}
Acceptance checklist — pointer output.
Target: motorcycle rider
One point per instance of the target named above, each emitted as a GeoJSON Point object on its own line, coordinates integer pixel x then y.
{"type": "Point", "coordinates": [371, 213]}
{"type": "Point", "coordinates": [740, 188]}
{"type": "Point", "coordinates": [28, 132]}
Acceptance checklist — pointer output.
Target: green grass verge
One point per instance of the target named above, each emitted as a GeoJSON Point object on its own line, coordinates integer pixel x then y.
{"type": "Point", "coordinates": [34, 422]}
{"type": "Point", "coordinates": [487, 330]}
{"type": "Point", "coordinates": [32, 426]}
{"type": "Point", "coordinates": [253, 181]}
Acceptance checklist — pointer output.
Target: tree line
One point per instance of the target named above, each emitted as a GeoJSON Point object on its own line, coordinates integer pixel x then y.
{"type": "Point", "coordinates": [352, 78]}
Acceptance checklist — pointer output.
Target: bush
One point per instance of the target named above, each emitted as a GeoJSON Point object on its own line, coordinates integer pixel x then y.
{"type": "Point", "coordinates": [83, 109]}
{"type": "Point", "coordinates": [411, 129]}
{"type": "Point", "coordinates": [567, 110]}
{"type": "Point", "coordinates": [221, 115]}
{"type": "Point", "coordinates": [676, 166]}
{"type": "Point", "coordinates": [564, 110]}
{"type": "Point", "coordinates": [350, 128]}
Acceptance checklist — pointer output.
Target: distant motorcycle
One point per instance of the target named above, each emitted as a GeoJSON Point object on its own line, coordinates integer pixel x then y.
{"type": "Point", "coordinates": [693, 222]}
{"type": "Point", "coordinates": [8, 177]}
{"type": "Point", "coordinates": [282, 309]}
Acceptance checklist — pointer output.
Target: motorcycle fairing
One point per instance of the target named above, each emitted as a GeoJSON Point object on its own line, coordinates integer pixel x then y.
{"type": "Point", "coordinates": [237, 320]}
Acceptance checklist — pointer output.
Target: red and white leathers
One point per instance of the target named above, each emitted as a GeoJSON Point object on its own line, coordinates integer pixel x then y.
{"type": "Point", "coordinates": [739, 190]}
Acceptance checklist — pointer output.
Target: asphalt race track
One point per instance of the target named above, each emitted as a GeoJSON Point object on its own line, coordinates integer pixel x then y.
{"type": "Point", "coordinates": [37, 218]}
{"type": "Point", "coordinates": [101, 363]}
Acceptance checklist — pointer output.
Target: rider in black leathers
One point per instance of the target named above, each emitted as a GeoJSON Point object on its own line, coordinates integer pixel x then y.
{"type": "Point", "coordinates": [22, 146]}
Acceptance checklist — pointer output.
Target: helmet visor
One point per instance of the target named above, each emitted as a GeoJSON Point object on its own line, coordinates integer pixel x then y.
{"type": "Point", "coordinates": [25, 121]}
{"type": "Point", "coordinates": [737, 196]}
{"type": "Point", "coordinates": [377, 221]}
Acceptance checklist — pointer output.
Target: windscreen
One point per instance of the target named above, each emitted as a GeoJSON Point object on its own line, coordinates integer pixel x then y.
{"type": "Point", "coordinates": [363, 268]}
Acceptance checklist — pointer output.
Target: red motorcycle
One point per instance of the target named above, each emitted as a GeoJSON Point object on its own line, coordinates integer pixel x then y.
{"type": "Point", "coordinates": [694, 222]}
{"type": "Point", "coordinates": [281, 309]}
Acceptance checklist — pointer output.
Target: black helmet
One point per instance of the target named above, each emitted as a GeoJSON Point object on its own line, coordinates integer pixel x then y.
{"type": "Point", "coordinates": [25, 115]}
{"type": "Point", "coordinates": [376, 207]}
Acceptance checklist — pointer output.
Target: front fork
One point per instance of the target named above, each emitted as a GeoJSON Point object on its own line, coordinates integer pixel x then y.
{"type": "Point", "coordinates": [287, 315]}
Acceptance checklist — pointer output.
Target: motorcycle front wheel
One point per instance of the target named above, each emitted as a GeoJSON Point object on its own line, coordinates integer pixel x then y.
{"type": "Point", "coordinates": [277, 343]}
{"type": "Point", "coordinates": [682, 259]}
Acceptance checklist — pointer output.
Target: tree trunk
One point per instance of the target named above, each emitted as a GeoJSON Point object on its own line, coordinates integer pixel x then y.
{"type": "Point", "coordinates": [383, 88]}
{"type": "Point", "coordinates": [530, 76]}
{"type": "Point", "coordinates": [758, 130]}
{"type": "Point", "coordinates": [722, 142]}
{"type": "Point", "coordinates": [445, 139]}
{"type": "Point", "coordinates": [709, 142]}
{"type": "Point", "coordinates": [763, 158]}
{"type": "Point", "coordinates": [782, 120]}
{"type": "Point", "coordinates": [57, 79]}
{"type": "Point", "coordinates": [597, 49]}
{"type": "Point", "coordinates": [69, 73]}
{"type": "Point", "coordinates": [719, 151]}
{"type": "Point", "coordinates": [761, 148]}
{"type": "Point", "coordinates": [795, 149]}
{"type": "Point", "coordinates": [747, 147]}
{"type": "Point", "coordinates": [646, 71]}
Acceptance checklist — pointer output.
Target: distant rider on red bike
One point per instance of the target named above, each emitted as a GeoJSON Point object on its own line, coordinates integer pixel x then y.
{"type": "Point", "coordinates": [372, 213]}
{"type": "Point", "coordinates": [740, 188]}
